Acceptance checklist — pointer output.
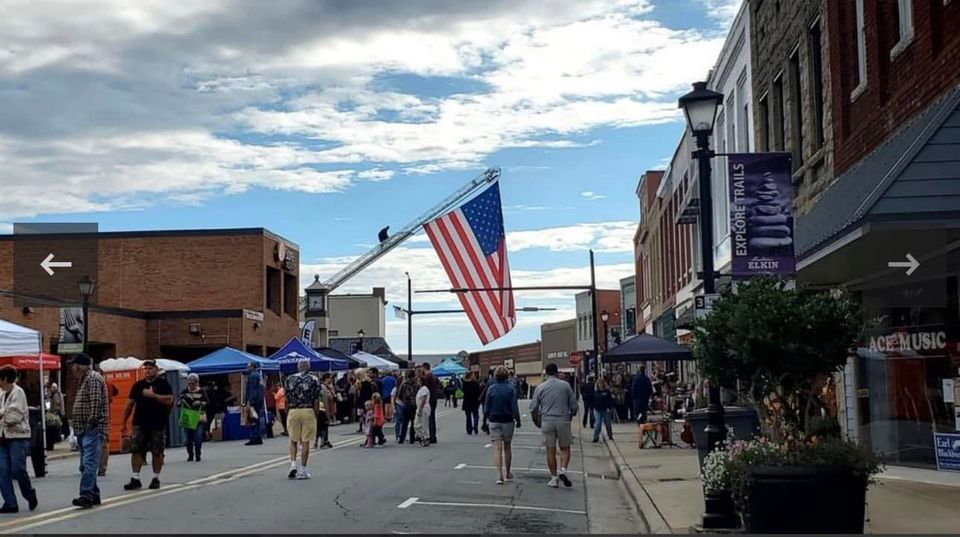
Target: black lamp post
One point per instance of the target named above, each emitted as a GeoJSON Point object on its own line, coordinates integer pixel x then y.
{"type": "Point", "coordinates": [87, 286]}
{"type": "Point", "coordinates": [604, 317]}
{"type": "Point", "coordinates": [700, 108]}
{"type": "Point", "coordinates": [360, 334]}
{"type": "Point", "coordinates": [410, 361]}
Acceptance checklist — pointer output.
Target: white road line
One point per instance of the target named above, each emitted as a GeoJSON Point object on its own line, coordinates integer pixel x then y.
{"type": "Point", "coordinates": [461, 466]}
{"type": "Point", "coordinates": [69, 513]}
{"type": "Point", "coordinates": [416, 501]}
{"type": "Point", "coordinates": [408, 502]}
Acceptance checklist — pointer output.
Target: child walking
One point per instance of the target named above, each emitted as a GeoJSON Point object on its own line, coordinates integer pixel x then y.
{"type": "Point", "coordinates": [367, 423]}
{"type": "Point", "coordinates": [379, 419]}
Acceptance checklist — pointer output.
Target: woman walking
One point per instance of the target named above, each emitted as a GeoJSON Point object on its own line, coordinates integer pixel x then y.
{"type": "Point", "coordinates": [471, 403]}
{"type": "Point", "coordinates": [602, 403]}
{"type": "Point", "coordinates": [193, 416]}
{"type": "Point", "coordinates": [501, 411]}
{"type": "Point", "coordinates": [407, 397]}
{"type": "Point", "coordinates": [14, 442]}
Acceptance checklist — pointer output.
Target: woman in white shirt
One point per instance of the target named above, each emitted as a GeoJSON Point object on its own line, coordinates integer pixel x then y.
{"type": "Point", "coordinates": [422, 420]}
{"type": "Point", "coordinates": [14, 442]}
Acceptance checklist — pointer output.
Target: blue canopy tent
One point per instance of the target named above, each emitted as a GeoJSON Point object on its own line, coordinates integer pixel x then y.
{"type": "Point", "coordinates": [294, 351]}
{"type": "Point", "coordinates": [448, 369]}
{"type": "Point", "coordinates": [230, 360]}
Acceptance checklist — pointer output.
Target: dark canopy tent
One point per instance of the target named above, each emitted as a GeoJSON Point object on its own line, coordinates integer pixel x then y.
{"type": "Point", "coordinates": [647, 348]}
{"type": "Point", "coordinates": [330, 352]}
{"type": "Point", "coordinates": [294, 351]}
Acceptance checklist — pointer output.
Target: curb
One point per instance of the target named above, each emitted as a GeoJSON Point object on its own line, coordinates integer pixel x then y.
{"type": "Point", "coordinates": [656, 523]}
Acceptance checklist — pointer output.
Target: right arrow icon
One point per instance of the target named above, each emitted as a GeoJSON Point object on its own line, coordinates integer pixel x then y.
{"type": "Point", "coordinates": [911, 264]}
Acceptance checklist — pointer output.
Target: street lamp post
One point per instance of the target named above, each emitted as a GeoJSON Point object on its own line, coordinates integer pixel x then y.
{"type": "Point", "coordinates": [87, 286]}
{"type": "Point", "coordinates": [605, 316]}
{"type": "Point", "coordinates": [409, 320]}
{"type": "Point", "coordinates": [700, 108]}
{"type": "Point", "coordinates": [360, 334]}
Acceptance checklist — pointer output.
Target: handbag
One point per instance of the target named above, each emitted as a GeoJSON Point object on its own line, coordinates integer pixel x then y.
{"type": "Point", "coordinates": [189, 418]}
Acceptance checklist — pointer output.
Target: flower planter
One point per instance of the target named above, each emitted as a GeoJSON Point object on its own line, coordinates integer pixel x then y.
{"type": "Point", "coordinates": [805, 499]}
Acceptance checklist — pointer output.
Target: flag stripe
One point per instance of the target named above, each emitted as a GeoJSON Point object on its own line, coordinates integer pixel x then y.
{"type": "Point", "coordinates": [480, 269]}
{"type": "Point", "coordinates": [456, 278]}
{"type": "Point", "coordinates": [463, 261]}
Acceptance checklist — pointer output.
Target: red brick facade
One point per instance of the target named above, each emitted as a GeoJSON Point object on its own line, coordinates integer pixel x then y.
{"type": "Point", "coordinates": [897, 86]}
{"type": "Point", "coordinates": [528, 352]}
{"type": "Point", "coordinates": [176, 294]}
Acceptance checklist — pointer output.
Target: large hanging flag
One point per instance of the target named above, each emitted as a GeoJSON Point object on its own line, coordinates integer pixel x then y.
{"type": "Point", "coordinates": [473, 249]}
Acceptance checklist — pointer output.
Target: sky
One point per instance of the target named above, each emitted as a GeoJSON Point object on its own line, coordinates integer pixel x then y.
{"type": "Point", "coordinates": [325, 120]}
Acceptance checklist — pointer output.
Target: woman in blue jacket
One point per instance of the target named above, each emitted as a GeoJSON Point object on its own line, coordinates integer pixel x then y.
{"type": "Point", "coordinates": [500, 414]}
{"type": "Point", "coordinates": [602, 403]}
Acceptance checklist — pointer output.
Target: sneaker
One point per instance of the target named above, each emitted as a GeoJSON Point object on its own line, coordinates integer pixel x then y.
{"type": "Point", "coordinates": [134, 484]}
{"type": "Point", "coordinates": [190, 458]}
{"type": "Point", "coordinates": [500, 481]}
{"type": "Point", "coordinates": [293, 471]}
{"type": "Point", "coordinates": [9, 509]}
{"type": "Point", "coordinates": [33, 502]}
{"type": "Point", "coordinates": [155, 483]}
{"type": "Point", "coordinates": [509, 476]}
{"type": "Point", "coordinates": [553, 482]}
{"type": "Point", "coordinates": [303, 474]}
{"type": "Point", "coordinates": [566, 480]}
{"type": "Point", "coordinates": [83, 502]}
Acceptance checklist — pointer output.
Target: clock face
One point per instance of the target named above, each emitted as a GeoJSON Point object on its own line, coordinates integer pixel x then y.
{"type": "Point", "coordinates": [315, 302]}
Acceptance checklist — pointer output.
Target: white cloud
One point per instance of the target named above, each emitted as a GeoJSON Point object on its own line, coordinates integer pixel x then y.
{"type": "Point", "coordinates": [117, 105]}
{"type": "Point", "coordinates": [723, 10]}
{"type": "Point", "coordinates": [591, 196]}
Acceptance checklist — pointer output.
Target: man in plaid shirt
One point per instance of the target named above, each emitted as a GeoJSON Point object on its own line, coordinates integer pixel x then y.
{"type": "Point", "coordinates": [90, 425]}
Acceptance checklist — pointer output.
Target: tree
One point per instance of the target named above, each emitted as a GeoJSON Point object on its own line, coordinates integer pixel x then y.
{"type": "Point", "coordinates": [776, 346]}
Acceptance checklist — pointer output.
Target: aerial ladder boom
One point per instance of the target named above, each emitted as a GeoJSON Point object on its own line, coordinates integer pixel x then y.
{"type": "Point", "coordinates": [487, 177]}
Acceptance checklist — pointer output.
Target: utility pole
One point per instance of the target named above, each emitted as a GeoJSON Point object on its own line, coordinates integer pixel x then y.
{"type": "Point", "coordinates": [409, 320]}
{"type": "Point", "coordinates": [593, 315]}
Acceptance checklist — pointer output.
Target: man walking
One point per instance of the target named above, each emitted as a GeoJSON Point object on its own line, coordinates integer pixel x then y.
{"type": "Point", "coordinates": [302, 391]}
{"type": "Point", "coordinates": [150, 402]}
{"type": "Point", "coordinates": [253, 399]}
{"type": "Point", "coordinates": [90, 425]}
{"type": "Point", "coordinates": [641, 389]}
{"type": "Point", "coordinates": [586, 393]}
{"type": "Point", "coordinates": [556, 404]}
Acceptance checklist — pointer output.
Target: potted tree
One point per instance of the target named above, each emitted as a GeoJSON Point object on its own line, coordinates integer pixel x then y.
{"type": "Point", "coordinates": [778, 347]}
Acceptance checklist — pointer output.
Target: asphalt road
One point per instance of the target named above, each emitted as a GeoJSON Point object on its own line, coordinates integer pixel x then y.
{"type": "Point", "coordinates": [445, 488]}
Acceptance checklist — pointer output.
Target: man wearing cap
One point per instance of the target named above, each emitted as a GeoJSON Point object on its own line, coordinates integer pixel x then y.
{"type": "Point", "coordinates": [150, 401]}
{"type": "Point", "coordinates": [302, 391]}
{"type": "Point", "coordinates": [90, 425]}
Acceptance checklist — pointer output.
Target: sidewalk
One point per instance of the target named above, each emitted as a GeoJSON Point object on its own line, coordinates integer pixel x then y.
{"type": "Point", "coordinates": [665, 485]}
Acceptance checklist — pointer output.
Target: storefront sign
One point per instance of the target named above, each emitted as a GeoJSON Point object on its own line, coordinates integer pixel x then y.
{"type": "Point", "coordinates": [252, 315]}
{"type": "Point", "coordinates": [71, 331]}
{"type": "Point", "coordinates": [761, 214]}
{"type": "Point", "coordinates": [948, 391]}
{"type": "Point", "coordinates": [956, 418]}
{"type": "Point", "coordinates": [703, 304]}
{"type": "Point", "coordinates": [947, 446]}
{"type": "Point", "coordinates": [917, 341]}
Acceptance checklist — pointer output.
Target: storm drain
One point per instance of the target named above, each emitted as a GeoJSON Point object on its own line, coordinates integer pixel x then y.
{"type": "Point", "coordinates": [610, 477]}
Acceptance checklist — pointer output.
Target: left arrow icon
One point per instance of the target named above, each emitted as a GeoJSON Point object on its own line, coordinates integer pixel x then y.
{"type": "Point", "coordinates": [48, 264]}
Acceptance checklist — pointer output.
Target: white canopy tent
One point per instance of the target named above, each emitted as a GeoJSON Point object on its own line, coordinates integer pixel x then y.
{"type": "Point", "coordinates": [128, 363]}
{"type": "Point", "coordinates": [16, 340]}
{"type": "Point", "coordinates": [372, 360]}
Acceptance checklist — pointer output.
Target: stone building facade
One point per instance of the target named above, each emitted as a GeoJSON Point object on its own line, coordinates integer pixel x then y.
{"type": "Point", "coordinates": [791, 89]}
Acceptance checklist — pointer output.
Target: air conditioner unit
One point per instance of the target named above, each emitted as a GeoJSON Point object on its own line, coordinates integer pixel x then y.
{"type": "Point", "coordinates": [195, 329]}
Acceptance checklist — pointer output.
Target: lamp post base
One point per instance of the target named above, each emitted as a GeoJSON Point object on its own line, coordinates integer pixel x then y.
{"type": "Point", "coordinates": [719, 512]}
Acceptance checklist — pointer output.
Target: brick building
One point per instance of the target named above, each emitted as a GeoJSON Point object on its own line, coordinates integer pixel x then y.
{"type": "Point", "coordinates": [587, 326]}
{"type": "Point", "coordinates": [175, 294]}
{"type": "Point", "coordinates": [524, 360]}
{"type": "Point", "coordinates": [895, 86]}
{"type": "Point", "coordinates": [792, 90]}
{"type": "Point", "coordinates": [557, 341]}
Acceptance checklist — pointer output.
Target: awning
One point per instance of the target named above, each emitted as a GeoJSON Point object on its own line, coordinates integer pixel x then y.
{"type": "Point", "coordinates": [374, 361]}
{"type": "Point", "coordinates": [647, 348]}
{"type": "Point", "coordinates": [51, 362]}
{"type": "Point", "coordinates": [294, 351]}
{"type": "Point", "coordinates": [131, 363]}
{"type": "Point", "coordinates": [448, 368]}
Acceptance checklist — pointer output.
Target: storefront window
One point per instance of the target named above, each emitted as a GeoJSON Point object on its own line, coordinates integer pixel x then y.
{"type": "Point", "coordinates": [908, 366]}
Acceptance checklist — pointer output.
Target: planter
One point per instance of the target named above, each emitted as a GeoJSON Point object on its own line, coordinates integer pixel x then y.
{"type": "Point", "coordinates": [805, 499]}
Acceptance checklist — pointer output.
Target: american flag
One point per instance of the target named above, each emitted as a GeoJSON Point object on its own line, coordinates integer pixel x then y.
{"type": "Point", "coordinates": [473, 249]}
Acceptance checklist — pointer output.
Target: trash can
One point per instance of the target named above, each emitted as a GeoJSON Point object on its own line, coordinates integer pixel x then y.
{"type": "Point", "coordinates": [38, 454]}
{"type": "Point", "coordinates": [742, 424]}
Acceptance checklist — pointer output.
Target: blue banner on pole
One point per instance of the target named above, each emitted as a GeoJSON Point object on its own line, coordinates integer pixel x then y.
{"type": "Point", "coordinates": [761, 214]}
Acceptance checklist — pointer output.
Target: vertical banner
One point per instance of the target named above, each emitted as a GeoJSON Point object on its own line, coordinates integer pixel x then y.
{"type": "Point", "coordinates": [761, 214]}
{"type": "Point", "coordinates": [71, 331]}
{"type": "Point", "coordinates": [307, 335]}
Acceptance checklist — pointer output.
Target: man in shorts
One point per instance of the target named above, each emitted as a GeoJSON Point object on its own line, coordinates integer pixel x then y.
{"type": "Point", "coordinates": [556, 403]}
{"type": "Point", "coordinates": [150, 402]}
{"type": "Point", "coordinates": [501, 415]}
{"type": "Point", "coordinates": [302, 391]}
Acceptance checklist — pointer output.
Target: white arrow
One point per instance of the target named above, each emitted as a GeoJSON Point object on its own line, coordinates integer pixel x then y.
{"type": "Point", "coordinates": [911, 264]}
{"type": "Point", "coordinates": [49, 264]}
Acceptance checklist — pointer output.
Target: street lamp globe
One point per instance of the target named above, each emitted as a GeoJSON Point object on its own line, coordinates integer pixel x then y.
{"type": "Point", "coordinates": [361, 333]}
{"type": "Point", "coordinates": [604, 316]}
{"type": "Point", "coordinates": [87, 285]}
{"type": "Point", "coordinates": [700, 106]}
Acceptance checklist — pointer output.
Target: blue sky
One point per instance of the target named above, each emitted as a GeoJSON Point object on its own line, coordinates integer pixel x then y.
{"type": "Point", "coordinates": [325, 125]}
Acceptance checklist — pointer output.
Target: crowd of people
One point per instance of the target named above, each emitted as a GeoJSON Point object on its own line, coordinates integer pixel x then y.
{"type": "Point", "coordinates": [306, 403]}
